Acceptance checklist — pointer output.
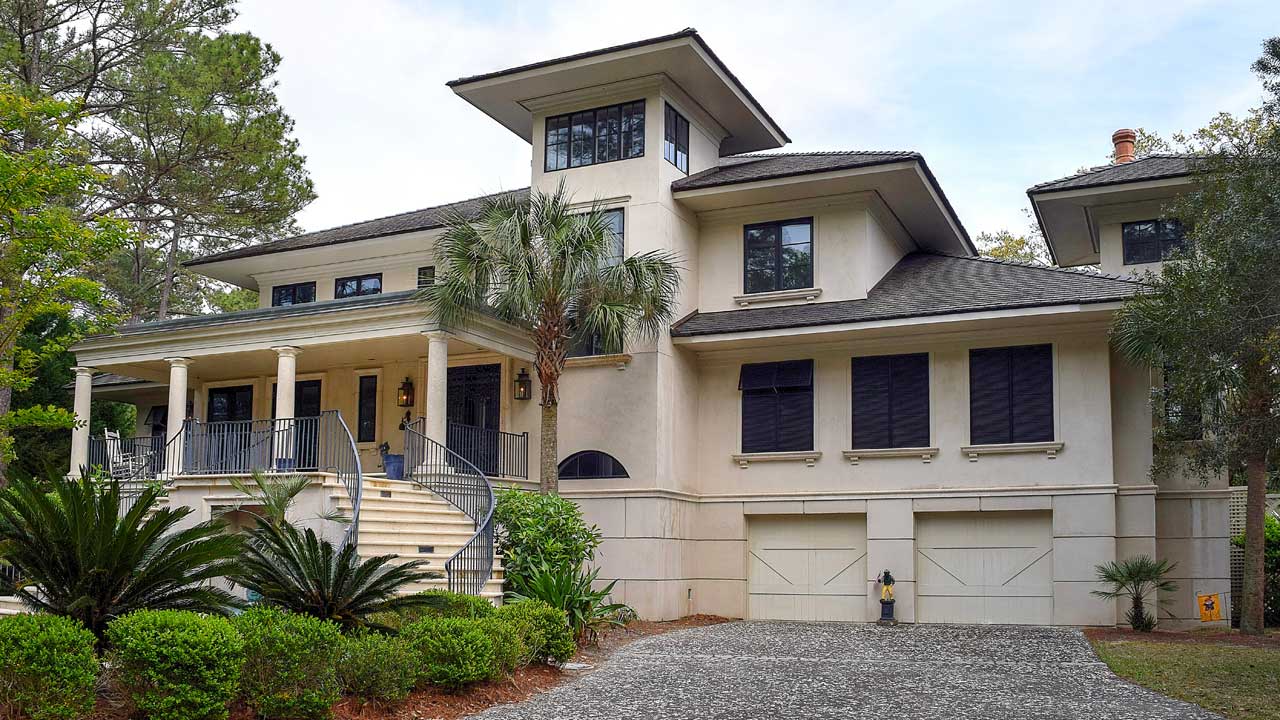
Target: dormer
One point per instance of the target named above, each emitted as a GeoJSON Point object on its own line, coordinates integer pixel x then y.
{"type": "Point", "coordinates": [628, 120]}
{"type": "Point", "coordinates": [1115, 216]}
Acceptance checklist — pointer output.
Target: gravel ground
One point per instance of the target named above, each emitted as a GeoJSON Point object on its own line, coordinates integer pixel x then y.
{"type": "Point", "coordinates": [799, 670]}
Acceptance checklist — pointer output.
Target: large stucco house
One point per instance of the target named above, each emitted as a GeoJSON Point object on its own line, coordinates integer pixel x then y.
{"type": "Point", "coordinates": [849, 388]}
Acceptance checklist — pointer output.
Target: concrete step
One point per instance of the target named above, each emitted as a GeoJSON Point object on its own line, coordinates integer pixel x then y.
{"type": "Point", "coordinates": [492, 588]}
{"type": "Point", "coordinates": [10, 605]}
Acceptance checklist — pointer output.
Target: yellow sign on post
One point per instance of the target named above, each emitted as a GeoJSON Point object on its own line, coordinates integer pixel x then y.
{"type": "Point", "coordinates": [1210, 607]}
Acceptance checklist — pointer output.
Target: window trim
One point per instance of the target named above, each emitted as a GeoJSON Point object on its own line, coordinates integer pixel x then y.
{"type": "Point", "coordinates": [275, 293]}
{"type": "Point", "coordinates": [671, 113]}
{"type": "Point", "coordinates": [1163, 244]}
{"type": "Point", "coordinates": [337, 283]}
{"type": "Point", "coordinates": [375, 373]}
{"type": "Point", "coordinates": [550, 119]}
{"type": "Point", "coordinates": [779, 224]}
{"type": "Point", "coordinates": [421, 268]}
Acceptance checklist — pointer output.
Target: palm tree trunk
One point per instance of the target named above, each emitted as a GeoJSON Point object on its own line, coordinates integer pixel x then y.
{"type": "Point", "coordinates": [549, 475]}
{"type": "Point", "coordinates": [1251, 605]}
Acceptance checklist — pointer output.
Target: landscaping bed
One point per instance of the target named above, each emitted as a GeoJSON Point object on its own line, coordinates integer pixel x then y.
{"type": "Point", "coordinates": [1226, 672]}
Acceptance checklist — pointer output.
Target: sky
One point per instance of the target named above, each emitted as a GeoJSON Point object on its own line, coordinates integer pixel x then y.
{"type": "Point", "coordinates": [996, 96]}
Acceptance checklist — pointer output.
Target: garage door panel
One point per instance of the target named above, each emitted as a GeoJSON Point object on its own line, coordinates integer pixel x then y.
{"type": "Point", "coordinates": [984, 567]}
{"type": "Point", "coordinates": [807, 567]}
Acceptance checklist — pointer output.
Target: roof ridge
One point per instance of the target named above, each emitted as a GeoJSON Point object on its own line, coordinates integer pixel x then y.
{"type": "Point", "coordinates": [399, 214]}
{"type": "Point", "coordinates": [821, 153]}
{"type": "Point", "coordinates": [1035, 266]}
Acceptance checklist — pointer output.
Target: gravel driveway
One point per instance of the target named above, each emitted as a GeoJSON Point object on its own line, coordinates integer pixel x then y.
{"type": "Point", "coordinates": [798, 670]}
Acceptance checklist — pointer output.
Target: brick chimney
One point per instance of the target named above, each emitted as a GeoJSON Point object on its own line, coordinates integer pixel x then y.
{"type": "Point", "coordinates": [1124, 139]}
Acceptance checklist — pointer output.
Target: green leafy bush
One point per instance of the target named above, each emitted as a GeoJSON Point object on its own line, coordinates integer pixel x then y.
{"type": "Point", "coordinates": [1271, 567]}
{"type": "Point", "coordinates": [451, 652]}
{"type": "Point", "coordinates": [543, 630]}
{"type": "Point", "coordinates": [47, 667]}
{"type": "Point", "coordinates": [290, 663]}
{"type": "Point", "coordinates": [177, 665]}
{"type": "Point", "coordinates": [508, 647]}
{"type": "Point", "coordinates": [572, 590]}
{"type": "Point", "coordinates": [377, 667]}
{"type": "Point", "coordinates": [537, 528]}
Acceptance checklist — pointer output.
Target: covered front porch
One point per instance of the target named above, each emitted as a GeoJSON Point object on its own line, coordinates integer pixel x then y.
{"type": "Point", "coordinates": [351, 387]}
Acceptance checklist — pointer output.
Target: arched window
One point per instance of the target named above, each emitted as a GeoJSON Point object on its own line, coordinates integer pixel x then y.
{"type": "Point", "coordinates": [591, 464]}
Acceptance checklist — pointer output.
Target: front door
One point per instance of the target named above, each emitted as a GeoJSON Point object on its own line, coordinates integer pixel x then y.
{"type": "Point", "coordinates": [474, 414]}
{"type": "Point", "coordinates": [306, 441]}
{"type": "Point", "coordinates": [230, 440]}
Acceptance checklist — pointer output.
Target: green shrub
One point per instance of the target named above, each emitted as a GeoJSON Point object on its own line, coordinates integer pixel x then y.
{"type": "Point", "coordinates": [377, 667]}
{"type": "Point", "coordinates": [543, 629]}
{"type": "Point", "coordinates": [177, 665]}
{"type": "Point", "coordinates": [534, 528]}
{"type": "Point", "coordinates": [290, 663]}
{"type": "Point", "coordinates": [47, 667]}
{"type": "Point", "coordinates": [1271, 568]}
{"type": "Point", "coordinates": [439, 603]}
{"type": "Point", "coordinates": [508, 647]}
{"type": "Point", "coordinates": [573, 591]}
{"type": "Point", "coordinates": [451, 652]}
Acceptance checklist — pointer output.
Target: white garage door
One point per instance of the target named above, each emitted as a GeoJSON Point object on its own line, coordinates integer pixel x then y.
{"type": "Point", "coordinates": [811, 567]}
{"type": "Point", "coordinates": [990, 567]}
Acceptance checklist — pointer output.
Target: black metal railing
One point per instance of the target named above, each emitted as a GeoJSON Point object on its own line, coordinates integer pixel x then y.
{"type": "Point", "coordinates": [148, 450]}
{"type": "Point", "coordinates": [320, 443]}
{"type": "Point", "coordinates": [457, 480]}
{"type": "Point", "coordinates": [494, 452]}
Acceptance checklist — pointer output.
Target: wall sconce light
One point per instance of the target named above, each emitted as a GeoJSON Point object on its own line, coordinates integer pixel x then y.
{"type": "Point", "coordinates": [404, 397]}
{"type": "Point", "coordinates": [524, 385]}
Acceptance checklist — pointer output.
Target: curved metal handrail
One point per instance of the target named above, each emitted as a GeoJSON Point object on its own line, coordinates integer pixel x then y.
{"type": "Point", "coordinates": [457, 480]}
{"type": "Point", "coordinates": [353, 481]}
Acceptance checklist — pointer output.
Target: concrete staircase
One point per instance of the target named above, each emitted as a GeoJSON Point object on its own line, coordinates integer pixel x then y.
{"type": "Point", "coordinates": [401, 518]}
{"type": "Point", "coordinates": [10, 605]}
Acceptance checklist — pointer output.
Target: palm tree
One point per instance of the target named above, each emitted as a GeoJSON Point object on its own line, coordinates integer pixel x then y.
{"type": "Point", "coordinates": [81, 552]}
{"type": "Point", "coordinates": [1136, 578]}
{"type": "Point", "coordinates": [539, 262]}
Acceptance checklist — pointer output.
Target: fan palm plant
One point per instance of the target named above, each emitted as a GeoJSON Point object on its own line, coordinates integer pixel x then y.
{"type": "Point", "coordinates": [1135, 579]}
{"type": "Point", "coordinates": [82, 552]}
{"type": "Point", "coordinates": [540, 262]}
{"type": "Point", "coordinates": [298, 571]}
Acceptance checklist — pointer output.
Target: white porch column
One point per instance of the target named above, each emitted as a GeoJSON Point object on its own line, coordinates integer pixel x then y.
{"type": "Point", "coordinates": [80, 433]}
{"type": "Point", "coordinates": [286, 376]}
{"type": "Point", "coordinates": [437, 385]}
{"type": "Point", "coordinates": [177, 412]}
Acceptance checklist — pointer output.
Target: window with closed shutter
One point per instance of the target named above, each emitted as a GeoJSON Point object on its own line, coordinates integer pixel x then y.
{"type": "Point", "coordinates": [891, 401]}
{"type": "Point", "coordinates": [777, 406]}
{"type": "Point", "coordinates": [1011, 395]}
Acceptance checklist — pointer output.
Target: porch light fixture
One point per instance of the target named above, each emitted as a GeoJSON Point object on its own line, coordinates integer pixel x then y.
{"type": "Point", "coordinates": [524, 385]}
{"type": "Point", "coordinates": [404, 396]}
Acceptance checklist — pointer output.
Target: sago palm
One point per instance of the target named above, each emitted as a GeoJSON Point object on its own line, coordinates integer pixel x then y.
{"type": "Point", "coordinates": [542, 263]}
{"type": "Point", "coordinates": [81, 552]}
{"type": "Point", "coordinates": [1135, 579]}
{"type": "Point", "coordinates": [298, 571]}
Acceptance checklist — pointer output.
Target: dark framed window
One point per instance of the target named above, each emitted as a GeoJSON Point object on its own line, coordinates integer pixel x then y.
{"type": "Point", "coordinates": [778, 256]}
{"type": "Point", "coordinates": [891, 401]}
{"type": "Point", "coordinates": [1011, 395]}
{"type": "Point", "coordinates": [1183, 416]}
{"type": "Point", "coordinates": [590, 137]}
{"type": "Point", "coordinates": [357, 285]}
{"type": "Point", "coordinates": [675, 140]}
{"type": "Point", "coordinates": [426, 275]}
{"type": "Point", "coordinates": [157, 419]}
{"type": "Point", "coordinates": [587, 345]}
{"type": "Point", "coordinates": [777, 406]}
{"type": "Point", "coordinates": [1151, 241]}
{"type": "Point", "coordinates": [591, 464]}
{"type": "Point", "coordinates": [295, 294]}
{"type": "Point", "coordinates": [367, 409]}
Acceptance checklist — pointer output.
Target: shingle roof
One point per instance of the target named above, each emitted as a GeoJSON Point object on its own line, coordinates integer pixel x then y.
{"type": "Point", "coordinates": [414, 220]}
{"type": "Point", "coordinates": [766, 166]}
{"type": "Point", "coordinates": [111, 380]}
{"type": "Point", "coordinates": [924, 284]}
{"type": "Point", "coordinates": [1151, 167]}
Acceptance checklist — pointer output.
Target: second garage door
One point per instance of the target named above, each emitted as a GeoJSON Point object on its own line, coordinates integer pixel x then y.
{"type": "Point", "coordinates": [990, 567]}
{"type": "Point", "coordinates": [808, 567]}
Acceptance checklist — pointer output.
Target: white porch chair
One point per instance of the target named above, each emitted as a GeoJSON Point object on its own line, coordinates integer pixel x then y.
{"type": "Point", "coordinates": [124, 466]}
